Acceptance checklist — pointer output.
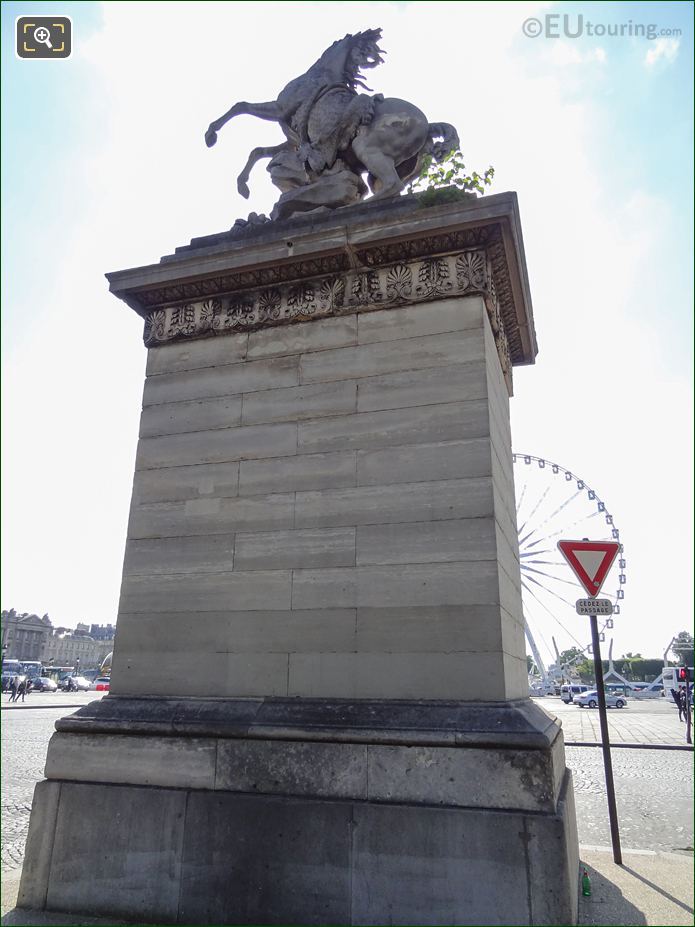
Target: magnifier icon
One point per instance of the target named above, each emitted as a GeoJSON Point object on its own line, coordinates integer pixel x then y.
{"type": "Point", "coordinates": [42, 35]}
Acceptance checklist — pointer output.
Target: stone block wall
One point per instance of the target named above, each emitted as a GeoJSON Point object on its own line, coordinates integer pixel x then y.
{"type": "Point", "coordinates": [326, 509]}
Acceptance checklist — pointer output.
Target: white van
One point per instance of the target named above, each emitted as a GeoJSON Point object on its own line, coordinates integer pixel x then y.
{"type": "Point", "coordinates": [567, 693]}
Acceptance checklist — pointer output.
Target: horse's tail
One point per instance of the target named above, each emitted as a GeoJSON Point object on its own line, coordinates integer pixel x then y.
{"type": "Point", "coordinates": [449, 140]}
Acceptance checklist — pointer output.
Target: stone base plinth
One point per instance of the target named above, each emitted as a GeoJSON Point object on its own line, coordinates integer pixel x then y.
{"type": "Point", "coordinates": [306, 812]}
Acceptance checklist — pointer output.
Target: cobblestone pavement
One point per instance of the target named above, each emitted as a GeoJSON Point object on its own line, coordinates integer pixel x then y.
{"type": "Point", "coordinates": [654, 788]}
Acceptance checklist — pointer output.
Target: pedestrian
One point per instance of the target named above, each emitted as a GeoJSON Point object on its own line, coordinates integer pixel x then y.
{"type": "Point", "coordinates": [681, 705]}
{"type": "Point", "coordinates": [13, 689]}
{"type": "Point", "coordinates": [22, 689]}
{"type": "Point", "coordinates": [676, 696]}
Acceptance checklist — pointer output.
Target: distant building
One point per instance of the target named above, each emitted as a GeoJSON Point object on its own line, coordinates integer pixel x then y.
{"type": "Point", "coordinates": [24, 635]}
{"type": "Point", "coordinates": [29, 637]}
{"type": "Point", "coordinates": [65, 646]}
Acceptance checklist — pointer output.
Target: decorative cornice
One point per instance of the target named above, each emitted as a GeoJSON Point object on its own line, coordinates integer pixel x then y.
{"type": "Point", "coordinates": [381, 286]}
{"type": "Point", "coordinates": [229, 283]}
{"type": "Point", "coordinates": [358, 259]}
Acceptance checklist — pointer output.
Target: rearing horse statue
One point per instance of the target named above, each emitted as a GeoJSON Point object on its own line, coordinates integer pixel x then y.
{"type": "Point", "coordinates": [331, 128]}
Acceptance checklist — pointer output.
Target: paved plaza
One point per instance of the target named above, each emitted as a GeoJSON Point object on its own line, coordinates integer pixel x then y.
{"type": "Point", "coordinates": [647, 721]}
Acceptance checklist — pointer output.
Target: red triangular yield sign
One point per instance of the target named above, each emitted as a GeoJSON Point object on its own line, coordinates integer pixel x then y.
{"type": "Point", "coordinates": [590, 560]}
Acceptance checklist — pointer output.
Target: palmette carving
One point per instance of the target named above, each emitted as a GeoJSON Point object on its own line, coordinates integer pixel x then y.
{"type": "Point", "coordinates": [332, 293]}
{"type": "Point", "coordinates": [471, 270]}
{"type": "Point", "coordinates": [399, 282]}
{"type": "Point", "coordinates": [433, 275]}
{"type": "Point", "coordinates": [269, 305]}
{"type": "Point", "coordinates": [466, 273]}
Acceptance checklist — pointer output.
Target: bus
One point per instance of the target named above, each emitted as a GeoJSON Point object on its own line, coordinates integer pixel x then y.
{"type": "Point", "coordinates": [56, 673]}
{"type": "Point", "coordinates": [10, 668]}
{"type": "Point", "coordinates": [30, 668]}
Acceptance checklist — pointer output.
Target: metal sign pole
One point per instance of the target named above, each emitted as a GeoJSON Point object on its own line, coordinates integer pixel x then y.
{"type": "Point", "coordinates": [605, 743]}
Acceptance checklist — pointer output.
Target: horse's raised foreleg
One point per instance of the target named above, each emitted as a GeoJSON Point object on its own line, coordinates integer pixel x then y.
{"type": "Point", "coordinates": [254, 158]}
{"type": "Point", "coordinates": [270, 111]}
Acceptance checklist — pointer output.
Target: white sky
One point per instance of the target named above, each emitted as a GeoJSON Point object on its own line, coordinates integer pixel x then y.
{"type": "Point", "coordinates": [610, 395]}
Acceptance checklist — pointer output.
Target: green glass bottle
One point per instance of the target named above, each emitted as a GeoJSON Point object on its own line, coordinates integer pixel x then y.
{"type": "Point", "coordinates": [586, 884]}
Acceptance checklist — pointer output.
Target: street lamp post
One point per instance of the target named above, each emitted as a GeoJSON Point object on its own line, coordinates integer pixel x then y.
{"type": "Point", "coordinates": [76, 671]}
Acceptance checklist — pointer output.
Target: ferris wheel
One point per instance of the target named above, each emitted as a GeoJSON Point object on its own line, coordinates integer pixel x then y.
{"type": "Point", "coordinates": [553, 503]}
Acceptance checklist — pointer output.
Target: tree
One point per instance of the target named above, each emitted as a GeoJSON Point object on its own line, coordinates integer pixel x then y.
{"type": "Point", "coordinates": [571, 655]}
{"type": "Point", "coordinates": [684, 648]}
{"type": "Point", "coordinates": [530, 663]}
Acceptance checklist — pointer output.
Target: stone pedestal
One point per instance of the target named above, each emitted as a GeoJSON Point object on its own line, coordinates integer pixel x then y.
{"type": "Point", "coordinates": [318, 709]}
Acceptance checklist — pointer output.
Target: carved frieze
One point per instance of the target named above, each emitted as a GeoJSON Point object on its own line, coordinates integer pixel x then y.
{"type": "Point", "coordinates": [363, 289]}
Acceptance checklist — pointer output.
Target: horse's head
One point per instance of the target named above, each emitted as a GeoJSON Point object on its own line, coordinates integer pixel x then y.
{"type": "Point", "coordinates": [364, 52]}
{"type": "Point", "coordinates": [346, 57]}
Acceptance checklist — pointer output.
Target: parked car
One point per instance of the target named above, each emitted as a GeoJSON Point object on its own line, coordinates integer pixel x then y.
{"type": "Point", "coordinates": [72, 683]}
{"type": "Point", "coordinates": [44, 684]}
{"type": "Point", "coordinates": [101, 684]}
{"type": "Point", "coordinates": [590, 700]}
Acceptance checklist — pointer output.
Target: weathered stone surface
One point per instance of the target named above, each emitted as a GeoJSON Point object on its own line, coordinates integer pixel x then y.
{"type": "Point", "coordinates": [445, 460]}
{"type": "Point", "coordinates": [521, 724]}
{"type": "Point", "coordinates": [36, 869]}
{"type": "Point", "coordinates": [136, 872]}
{"type": "Point", "coordinates": [211, 516]}
{"type": "Point", "coordinates": [554, 861]}
{"type": "Point", "coordinates": [412, 388]}
{"type": "Point", "coordinates": [311, 860]}
{"type": "Point", "coordinates": [431, 542]}
{"type": "Point", "coordinates": [171, 418]}
{"type": "Point", "coordinates": [515, 673]}
{"type": "Point", "coordinates": [300, 402]}
{"type": "Point", "coordinates": [176, 592]}
{"type": "Point", "coordinates": [444, 422]}
{"type": "Point", "coordinates": [303, 337]}
{"type": "Point", "coordinates": [223, 444]}
{"type": "Point", "coordinates": [382, 505]}
{"type": "Point", "coordinates": [192, 355]}
{"type": "Point", "coordinates": [233, 675]}
{"type": "Point", "coordinates": [199, 554]}
{"type": "Point", "coordinates": [178, 762]}
{"type": "Point", "coordinates": [174, 484]}
{"type": "Point", "coordinates": [417, 865]}
{"type": "Point", "coordinates": [516, 780]}
{"type": "Point", "coordinates": [290, 861]}
{"type": "Point", "coordinates": [389, 586]}
{"type": "Point", "coordinates": [446, 315]}
{"type": "Point", "coordinates": [435, 628]}
{"type": "Point", "coordinates": [292, 768]}
{"type": "Point", "coordinates": [259, 631]}
{"type": "Point", "coordinates": [286, 550]}
{"type": "Point", "coordinates": [301, 472]}
{"type": "Point", "coordinates": [379, 358]}
{"type": "Point", "coordinates": [397, 675]}
{"type": "Point", "coordinates": [209, 382]}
